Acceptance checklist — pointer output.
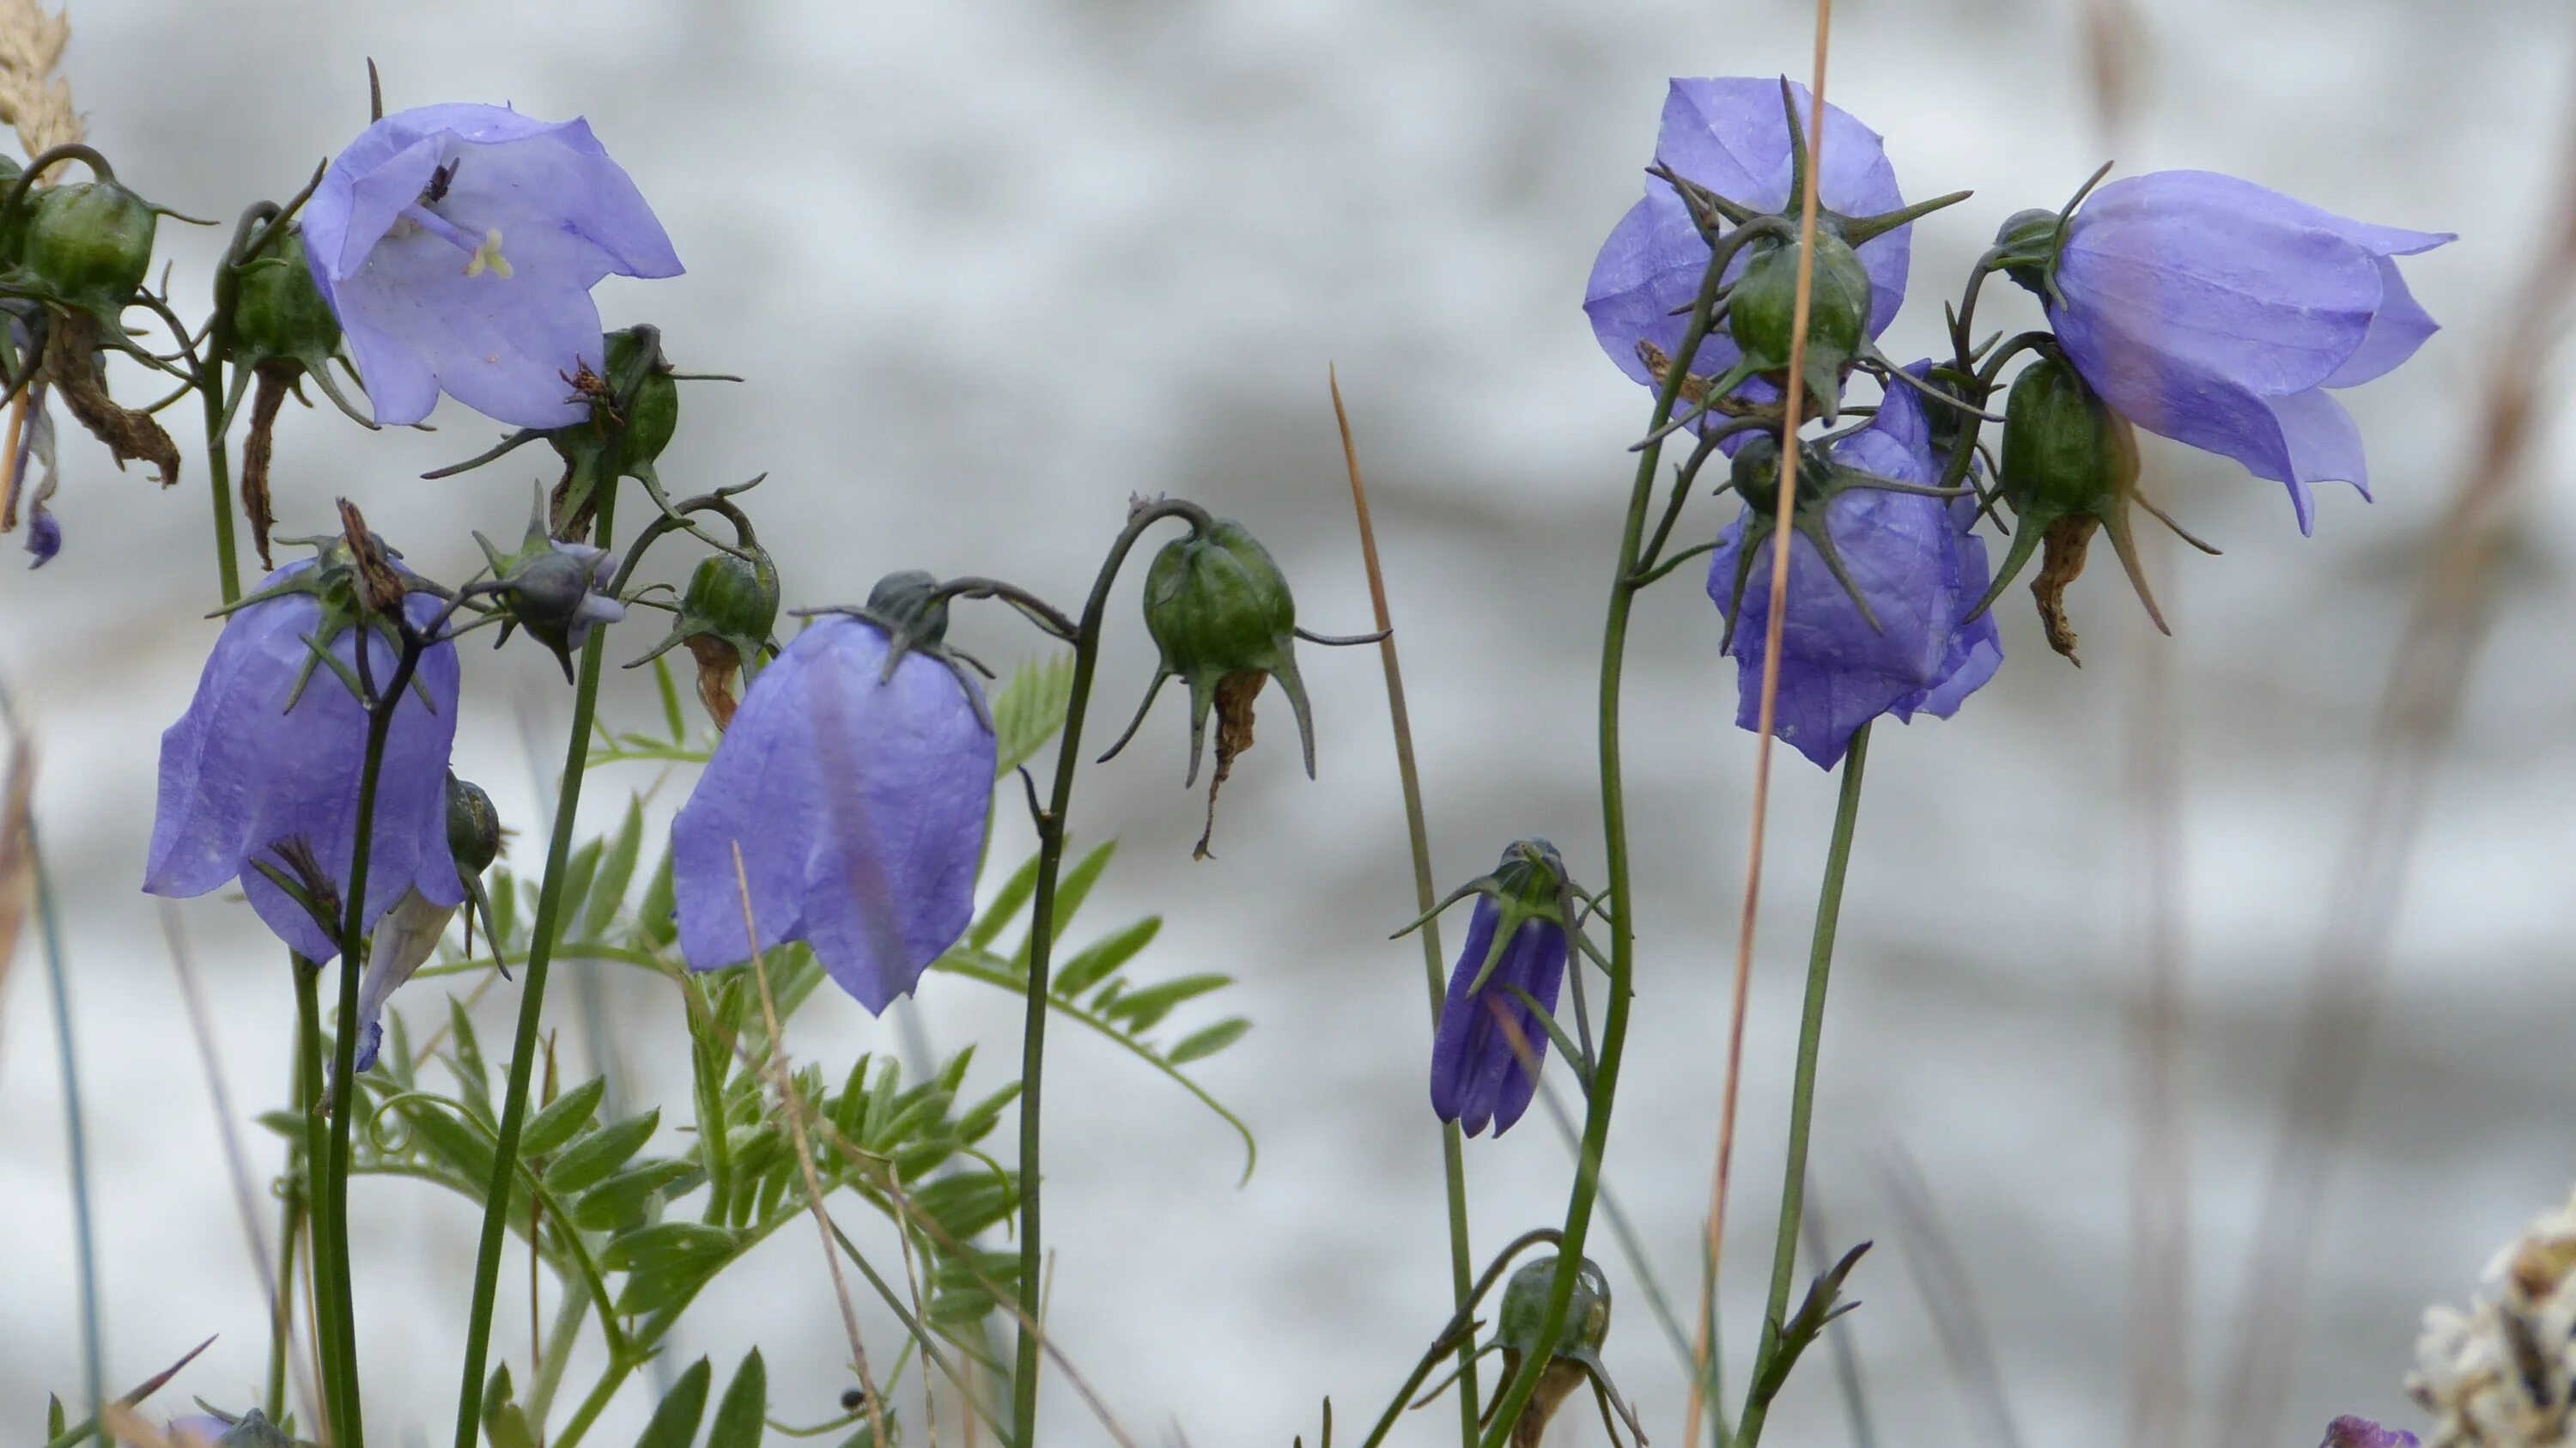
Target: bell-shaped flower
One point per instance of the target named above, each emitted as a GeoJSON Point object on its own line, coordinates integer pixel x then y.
{"type": "Point", "coordinates": [264, 767]}
{"type": "Point", "coordinates": [1880, 579]}
{"type": "Point", "coordinates": [2217, 313]}
{"type": "Point", "coordinates": [1730, 136]}
{"type": "Point", "coordinates": [458, 245]}
{"type": "Point", "coordinates": [855, 782]}
{"type": "Point", "coordinates": [1493, 1033]}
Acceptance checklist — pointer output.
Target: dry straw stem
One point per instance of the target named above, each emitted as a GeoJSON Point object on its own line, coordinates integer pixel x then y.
{"type": "Point", "coordinates": [17, 850]}
{"type": "Point", "coordinates": [32, 97]}
{"type": "Point", "coordinates": [2419, 707]}
{"type": "Point", "coordinates": [1793, 397]}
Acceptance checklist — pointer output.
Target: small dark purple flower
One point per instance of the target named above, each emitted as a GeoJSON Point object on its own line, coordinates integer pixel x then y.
{"type": "Point", "coordinates": [1731, 135]}
{"type": "Point", "coordinates": [1491, 1043]}
{"type": "Point", "coordinates": [857, 793]}
{"type": "Point", "coordinates": [2352, 1432]}
{"type": "Point", "coordinates": [458, 244]}
{"type": "Point", "coordinates": [1911, 557]}
{"type": "Point", "coordinates": [269, 755]}
{"type": "Point", "coordinates": [2217, 313]}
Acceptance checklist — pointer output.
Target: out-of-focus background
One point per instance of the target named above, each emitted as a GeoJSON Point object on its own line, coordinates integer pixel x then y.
{"type": "Point", "coordinates": [992, 267]}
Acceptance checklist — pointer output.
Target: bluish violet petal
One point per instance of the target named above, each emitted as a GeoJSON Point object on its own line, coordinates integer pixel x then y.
{"type": "Point", "coordinates": [201, 1431]}
{"type": "Point", "coordinates": [1461, 1019]}
{"type": "Point", "coordinates": [217, 755]}
{"type": "Point", "coordinates": [44, 536]}
{"type": "Point", "coordinates": [906, 772]}
{"type": "Point", "coordinates": [2399, 327]}
{"type": "Point", "coordinates": [2323, 445]}
{"type": "Point", "coordinates": [614, 215]}
{"type": "Point", "coordinates": [2219, 196]}
{"type": "Point", "coordinates": [2355, 1432]}
{"type": "Point", "coordinates": [401, 388]}
{"type": "Point", "coordinates": [1652, 263]}
{"type": "Point", "coordinates": [1537, 966]}
{"type": "Point", "coordinates": [760, 793]}
{"type": "Point", "coordinates": [1493, 1070]}
{"type": "Point", "coordinates": [2271, 308]}
{"type": "Point", "coordinates": [377, 199]}
{"type": "Point", "coordinates": [1975, 650]}
{"type": "Point", "coordinates": [501, 346]}
{"type": "Point", "coordinates": [475, 122]}
{"type": "Point", "coordinates": [546, 200]}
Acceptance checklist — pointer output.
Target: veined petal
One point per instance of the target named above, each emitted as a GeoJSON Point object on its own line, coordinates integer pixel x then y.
{"type": "Point", "coordinates": [2400, 326]}
{"type": "Point", "coordinates": [500, 345]}
{"type": "Point", "coordinates": [758, 794]}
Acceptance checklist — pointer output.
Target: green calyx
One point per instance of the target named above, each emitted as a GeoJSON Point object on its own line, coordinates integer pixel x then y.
{"type": "Point", "coordinates": [278, 314]}
{"type": "Point", "coordinates": [2030, 243]}
{"type": "Point", "coordinates": [1528, 883]}
{"type": "Point", "coordinates": [85, 246]}
{"type": "Point", "coordinates": [730, 600]}
{"type": "Point", "coordinates": [1524, 1312]}
{"type": "Point", "coordinates": [2068, 467]}
{"type": "Point", "coordinates": [1762, 317]}
{"type": "Point", "coordinates": [1219, 609]}
{"type": "Point", "coordinates": [634, 411]}
{"type": "Point", "coordinates": [334, 581]}
{"type": "Point", "coordinates": [473, 826]}
{"type": "Point", "coordinates": [545, 586]}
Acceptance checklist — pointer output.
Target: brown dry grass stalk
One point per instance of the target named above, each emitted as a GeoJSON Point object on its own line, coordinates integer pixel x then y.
{"type": "Point", "coordinates": [1793, 396]}
{"type": "Point", "coordinates": [32, 97]}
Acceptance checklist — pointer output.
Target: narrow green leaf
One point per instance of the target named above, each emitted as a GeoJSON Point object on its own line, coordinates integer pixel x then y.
{"type": "Point", "coordinates": [1099, 960]}
{"type": "Point", "coordinates": [617, 1204]}
{"type": "Point", "coordinates": [55, 1423]}
{"type": "Point", "coordinates": [1006, 906]}
{"type": "Point", "coordinates": [1142, 1009]}
{"type": "Point", "coordinates": [675, 1423]}
{"type": "Point", "coordinates": [588, 1162]}
{"type": "Point", "coordinates": [1199, 1045]}
{"type": "Point", "coordinates": [979, 1120]}
{"type": "Point", "coordinates": [665, 1245]}
{"type": "Point", "coordinates": [559, 1122]}
{"type": "Point", "coordinates": [672, 718]}
{"type": "Point", "coordinates": [739, 1418]}
{"type": "Point", "coordinates": [616, 871]}
{"type": "Point", "coordinates": [1030, 709]}
{"type": "Point", "coordinates": [654, 920]}
{"type": "Point", "coordinates": [576, 887]}
{"type": "Point", "coordinates": [503, 1423]}
{"type": "Point", "coordinates": [466, 1052]}
{"type": "Point", "coordinates": [439, 1135]}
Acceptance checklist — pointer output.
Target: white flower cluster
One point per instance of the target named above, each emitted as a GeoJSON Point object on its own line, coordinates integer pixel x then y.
{"type": "Point", "coordinates": [2499, 1375]}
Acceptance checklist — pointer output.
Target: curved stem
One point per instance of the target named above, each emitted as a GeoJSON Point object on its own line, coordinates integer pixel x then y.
{"type": "Point", "coordinates": [76, 1136]}
{"type": "Point", "coordinates": [1802, 1089]}
{"type": "Point", "coordinates": [523, 1053]}
{"type": "Point", "coordinates": [219, 477]}
{"type": "Point", "coordinates": [1042, 928]}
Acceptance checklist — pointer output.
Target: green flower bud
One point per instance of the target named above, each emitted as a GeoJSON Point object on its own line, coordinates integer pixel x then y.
{"type": "Point", "coordinates": [86, 245]}
{"type": "Point", "coordinates": [1587, 1317]}
{"type": "Point", "coordinates": [634, 411]}
{"type": "Point", "coordinates": [554, 590]}
{"type": "Point", "coordinates": [473, 827]}
{"type": "Point", "coordinates": [1762, 312]}
{"type": "Point", "coordinates": [644, 395]}
{"type": "Point", "coordinates": [278, 314]}
{"type": "Point", "coordinates": [725, 617]}
{"type": "Point", "coordinates": [2028, 243]}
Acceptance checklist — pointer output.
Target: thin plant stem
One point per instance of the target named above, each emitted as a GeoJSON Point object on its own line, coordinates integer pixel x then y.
{"type": "Point", "coordinates": [523, 1052]}
{"type": "Point", "coordinates": [1793, 399]}
{"type": "Point", "coordinates": [1802, 1088]}
{"type": "Point", "coordinates": [611, 1379]}
{"type": "Point", "coordinates": [75, 1126]}
{"type": "Point", "coordinates": [1042, 929]}
{"type": "Point", "coordinates": [324, 1299]}
{"type": "Point", "coordinates": [219, 480]}
{"type": "Point", "coordinates": [281, 1339]}
{"type": "Point", "coordinates": [1453, 1159]}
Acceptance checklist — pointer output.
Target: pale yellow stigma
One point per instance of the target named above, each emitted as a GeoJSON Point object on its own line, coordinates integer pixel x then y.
{"type": "Point", "coordinates": [488, 257]}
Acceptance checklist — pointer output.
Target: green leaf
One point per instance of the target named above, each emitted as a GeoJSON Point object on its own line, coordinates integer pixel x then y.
{"type": "Point", "coordinates": [616, 871]}
{"type": "Point", "coordinates": [503, 1423]}
{"type": "Point", "coordinates": [1142, 1009]}
{"type": "Point", "coordinates": [576, 887]}
{"type": "Point", "coordinates": [746, 1403]}
{"type": "Point", "coordinates": [1803, 1326]}
{"type": "Point", "coordinates": [666, 1245]}
{"type": "Point", "coordinates": [979, 1120]}
{"type": "Point", "coordinates": [675, 1423]}
{"type": "Point", "coordinates": [466, 1052]}
{"type": "Point", "coordinates": [654, 920]}
{"type": "Point", "coordinates": [285, 1123]}
{"type": "Point", "coordinates": [1101, 959]}
{"type": "Point", "coordinates": [1070, 891]}
{"type": "Point", "coordinates": [1006, 906]}
{"type": "Point", "coordinates": [968, 1202]}
{"type": "Point", "coordinates": [1029, 710]}
{"type": "Point", "coordinates": [617, 1204]}
{"type": "Point", "coordinates": [438, 1134]}
{"type": "Point", "coordinates": [1199, 1045]}
{"type": "Point", "coordinates": [55, 1426]}
{"type": "Point", "coordinates": [588, 1162]}
{"type": "Point", "coordinates": [560, 1122]}
{"type": "Point", "coordinates": [672, 718]}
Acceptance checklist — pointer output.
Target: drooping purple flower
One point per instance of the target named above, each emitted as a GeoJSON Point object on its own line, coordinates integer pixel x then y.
{"type": "Point", "coordinates": [458, 245]}
{"type": "Point", "coordinates": [269, 755]}
{"type": "Point", "coordinates": [1731, 135]}
{"type": "Point", "coordinates": [2352, 1432]}
{"type": "Point", "coordinates": [2217, 313]}
{"type": "Point", "coordinates": [1491, 1043]}
{"type": "Point", "coordinates": [1911, 556]}
{"type": "Point", "coordinates": [858, 801]}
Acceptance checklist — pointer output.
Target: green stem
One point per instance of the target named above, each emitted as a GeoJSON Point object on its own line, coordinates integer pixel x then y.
{"type": "Point", "coordinates": [1417, 831]}
{"type": "Point", "coordinates": [523, 1053]}
{"type": "Point", "coordinates": [1042, 930]}
{"type": "Point", "coordinates": [561, 1337]}
{"type": "Point", "coordinates": [1802, 1090]}
{"type": "Point", "coordinates": [75, 1131]}
{"type": "Point", "coordinates": [611, 1379]}
{"type": "Point", "coordinates": [1516, 1392]}
{"type": "Point", "coordinates": [317, 1154]}
{"type": "Point", "coordinates": [281, 1342]}
{"type": "Point", "coordinates": [219, 479]}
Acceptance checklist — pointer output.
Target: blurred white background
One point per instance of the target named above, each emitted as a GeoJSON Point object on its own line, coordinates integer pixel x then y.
{"type": "Point", "coordinates": [990, 267]}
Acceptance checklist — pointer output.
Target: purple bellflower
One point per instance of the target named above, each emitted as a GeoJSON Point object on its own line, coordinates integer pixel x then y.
{"type": "Point", "coordinates": [2352, 1432]}
{"type": "Point", "coordinates": [2217, 313]}
{"type": "Point", "coordinates": [1731, 136]}
{"type": "Point", "coordinates": [855, 779]}
{"type": "Point", "coordinates": [1492, 1038]}
{"type": "Point", "coordinates": [1879, 579]}
{"type": "Point", "coordinates": [269, 754]}
{"type": "Point", "coordinates": [458, 245]}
